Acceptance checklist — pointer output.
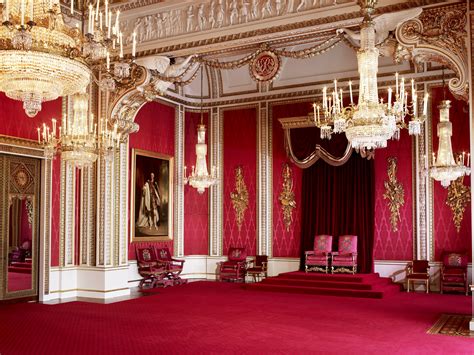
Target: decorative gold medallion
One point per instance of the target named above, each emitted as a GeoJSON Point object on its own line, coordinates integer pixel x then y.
{"type": "Point", "coordinates": [239, 197]}
{"type": "Point", "coordinates": [287, 196]}
{"type": "Point", "coordinates": [459, 195]}
{"type": "Point", "coordinates": [394, 193]}
{"type": "Point", "coordinates": [265, 66]}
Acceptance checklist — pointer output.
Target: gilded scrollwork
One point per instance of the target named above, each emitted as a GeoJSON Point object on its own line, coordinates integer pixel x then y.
{"type": "Point", "coordinates": [240, 197]}
{"type": "Point", "coordinates": [394, 193]}
{"type": "Point", "coordinates": [439, 35]}
{"type": "Point", "coordinates": [459, 196]}
{"type": "Point", "coordinates": [287, 196]}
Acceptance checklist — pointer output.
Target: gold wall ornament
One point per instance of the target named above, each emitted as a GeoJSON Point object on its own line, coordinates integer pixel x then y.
{"type": "Point", "coordinates": [394, 193]}
{"type": "Point", "coordinates": [239, 197]}
{"type": "Point", "coordinates": [459, 196]}
{"type": "Point", "coordinates": [287, 196]}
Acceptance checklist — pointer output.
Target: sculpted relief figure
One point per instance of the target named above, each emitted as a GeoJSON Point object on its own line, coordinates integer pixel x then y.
{"type": "Point", "coordinates": [220, 14]}
{"type": "Point", "coordinates": [267, 9]}
{"type": "Point", "coordinates": [234, 13]}
{"type": "Point", "coordinates": [159, 25]}
{"type": "Point", "coordinates": [255, 4]}
{"type": "Point", "coordinates": [301, 6]}
{"type": "Point", "coordinates": [202, 21]}
{"type": "Point", "coordinates": [244, 11]}
{"type": "Point", "coordinates": [278, 7]}
{"type": "Point", "coordinates": [212, 14]}
{"type": "Point", "coordinates": [289, 6]}
{"type": "Point", "coordinates": [190, 19]}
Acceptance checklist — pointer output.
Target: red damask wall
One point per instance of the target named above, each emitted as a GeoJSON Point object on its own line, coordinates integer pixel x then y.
{"type": "Point", "coordinates": [286, 243]}
{"type": "Point", "coordinates": [446, 238]}
{"type": "Point", "coordinates": [15, 123]}
{"type": "Point", "coordinates": [156, 134]}
{"type": "Point", "coordinates": [196, 206]}
{"type": "Point", "coordinates": [240, 149]}
{"type": "Point", "coordinates": [390, 245]}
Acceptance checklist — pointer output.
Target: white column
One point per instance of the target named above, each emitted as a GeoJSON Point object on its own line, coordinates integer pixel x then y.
{"type": "Point", "coordinates": [179, 184]}
{"type": "Point", "coordinates": [216, 192]}
{"type": "Point", "coordinates": [264, 177]}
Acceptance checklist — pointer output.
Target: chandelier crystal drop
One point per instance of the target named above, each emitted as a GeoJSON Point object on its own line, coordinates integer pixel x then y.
{"type": "Point", "coordinates": [444, 167]}
{"type": "Point", "coordinates": [39, 55]}
{"type": "Point", "coordinates": [370, 123]}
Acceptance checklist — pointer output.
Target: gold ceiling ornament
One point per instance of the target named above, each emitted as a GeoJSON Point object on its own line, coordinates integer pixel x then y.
{"type": "Point", "coordinates": [459, 196]}
{"type": "Point", "coordinates": [240, 197]}
{"type": "Point", "coordinates": [394, 193]}
{"type": "Point", "coordinates": [287, 196]}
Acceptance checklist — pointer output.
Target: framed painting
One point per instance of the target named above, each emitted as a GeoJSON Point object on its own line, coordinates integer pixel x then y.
{"type": "Point", "coordinates": [151, 196]}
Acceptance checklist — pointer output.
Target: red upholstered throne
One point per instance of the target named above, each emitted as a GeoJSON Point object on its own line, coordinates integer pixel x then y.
{"type": "Point", "coordinates": [454, 272]}
{"type": "Point", "coordinates": [174, 267]}
{"type": "Point", "coordinates": [234, 268]}
{"type": "Point", "coordinates": [154, 273]}
{"type": "Point", "coordinates": [345, 259]}
{"type": "Point", "coordinates": [318, 258]}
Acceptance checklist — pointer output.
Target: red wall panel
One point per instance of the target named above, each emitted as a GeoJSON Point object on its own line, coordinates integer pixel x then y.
{"type": "Point", "coordinates": [389, 245]}
{"type": "Point", "coordinates": [196, 206]}
{"type": "Point", "coordinates": [156, 134]}
{"type": "Point", "coordinates": [446, 238]}
{"type": "Point", "coordinates": [286, 243]}
{"type": "Point", "coordinates": [240, 149]}
{"type": "Point", "coordinates": [15, 123]}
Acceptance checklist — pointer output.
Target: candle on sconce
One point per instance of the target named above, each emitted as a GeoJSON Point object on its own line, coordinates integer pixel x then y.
{"type": "Point", "coordinates": [121, 44]}
{"type": "Point", "coordinates": [335, 85]}
{"type": "Point", "coordinates": [350, 92]}
{"type": "Point", "coordinates": [109, 28]}
{"type": "Point", "coordinates": [106, 13]}
{"type": "Point", "coordinates": [32, 12]}
{"type": "Point", "coordinates": [415, 105]}
{"type": "Point", "coordinates": [463, 156]}
{"type": "Point", "coordinates": [314, 113]}
{"type": "Point", "coordinates": [468, 159]}
{"type": "Point", "coordinates": [54, 127]}
{"type": "Point", "coordinates": [412, 88]}
{"type": "Point", "coordinates": [39, 135]}
{"type": "Point", "coordinates": [117, 21]}
{"type": "Point", "coordinates": [134, 44]}
{"type": "Point", "coordinates": [342, 102]}
{"type": "Point", "coordinates": [72, 7]}
{"type": "Point", "coordinates": [396, 85]}
{"type": "Point", "coordinates": [433, 161]}
{"type": "Point", "coordinates": [319, 120]}
{"type": "Point", "coordinates": [389, 98]}
{"type": "Point", "coordinates": [108, 61]}
{"type": "Point", "coordinates": [97, 10]}
{"type": "Point", "coordinates": [325, 104]}
{"type": "Point", "coordinates": [100, 21]}
{"type": "Point", "coordinates": [185, 167]}
{"type": "Point", "coordinates": [22, 12]}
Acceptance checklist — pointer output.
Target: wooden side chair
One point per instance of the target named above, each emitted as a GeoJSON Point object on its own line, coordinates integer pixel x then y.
{"type": "Point", "coordinates": [418, 271]}
{"type": "Point", "coordinates": [258, 268]}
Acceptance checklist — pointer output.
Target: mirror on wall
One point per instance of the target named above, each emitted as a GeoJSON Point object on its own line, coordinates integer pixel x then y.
{"type": "Point", "coordinates": [20, 243]}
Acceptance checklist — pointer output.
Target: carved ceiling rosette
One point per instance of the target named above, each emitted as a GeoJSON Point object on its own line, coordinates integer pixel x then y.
{"type": "Point", "coordinates": [439, 35]}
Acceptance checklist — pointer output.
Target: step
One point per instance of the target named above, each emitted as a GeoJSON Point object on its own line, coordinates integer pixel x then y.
{"type": "Point", "coordinates": [316, 283]}
{"type": "Point", "coordinates": [315, 290]}
{"type": "Point", "coordinates": [329, 277]}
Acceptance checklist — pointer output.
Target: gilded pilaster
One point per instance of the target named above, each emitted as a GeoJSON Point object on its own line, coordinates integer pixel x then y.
{"type": "Point", "coordinates": [264, 178]}
{"type": "Point", "coordinates": [67, 215]}
{"type": "Point", "coordinates": [179, 185]}
{"type": "Point", "coordinates": [216, 192]}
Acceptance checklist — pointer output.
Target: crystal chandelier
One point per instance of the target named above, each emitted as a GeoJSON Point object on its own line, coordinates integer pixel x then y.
{"type": "Point", "coordinates": [78, 140]}
{"type": "Point", "coordinates": [39, 56]}
{"type": "Point", "coordinates": [371, 123]}
{"type": "Point", "coordinates": [200, 178]}
{"type": "Point", "coordinates": [444, 167]}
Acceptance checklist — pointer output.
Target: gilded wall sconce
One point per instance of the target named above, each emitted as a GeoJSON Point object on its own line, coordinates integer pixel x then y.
{"type": "Point", "coordinates": [287, 196]}
{"type": "Point", "coordinates": [459, 196]}
{"type": "Point", "coordinates": [239, 197]}
{"type": "Point", "coordinates": [394, 193]}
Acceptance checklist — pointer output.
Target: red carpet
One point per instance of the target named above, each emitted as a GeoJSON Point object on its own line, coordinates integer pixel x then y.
{"type": "Point", "coordinates": [208, 317]}
{"type": "Point", "coordinates": [346, 285]}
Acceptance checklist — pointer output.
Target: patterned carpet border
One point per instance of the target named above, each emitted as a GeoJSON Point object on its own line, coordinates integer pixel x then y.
{"type": "Point", "coordinates": [452, 325]}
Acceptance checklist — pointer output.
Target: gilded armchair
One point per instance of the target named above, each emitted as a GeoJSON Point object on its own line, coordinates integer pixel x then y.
{"type": "Point", "coordinates": [418, 271]}
{"type": "Point", "coordinates": [174, 267]}
{"type": "Point", "coordinates": [234, 269]}
{"type": "Point", "coordinates": [454, 272]}
{"type": "Point", "coordinates": [318, 259]}
{"type": "Point", "coordinates": [345, 259]}
{"type": "Point", "coordinates": [153, 272]}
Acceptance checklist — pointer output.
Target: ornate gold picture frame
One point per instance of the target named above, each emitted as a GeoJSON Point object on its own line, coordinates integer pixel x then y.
{"type": "Point", "coordinates": [151, 207]}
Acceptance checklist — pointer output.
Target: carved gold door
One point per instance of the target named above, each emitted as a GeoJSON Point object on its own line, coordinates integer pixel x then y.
{"type": "Point", "coordinates": [19, 226]}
